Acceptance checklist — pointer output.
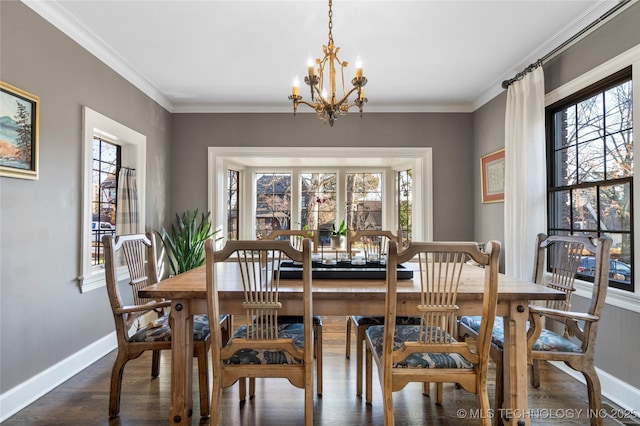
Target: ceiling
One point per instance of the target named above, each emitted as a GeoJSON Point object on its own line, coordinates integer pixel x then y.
{"type": "Point", "coordinates": [242, 56]}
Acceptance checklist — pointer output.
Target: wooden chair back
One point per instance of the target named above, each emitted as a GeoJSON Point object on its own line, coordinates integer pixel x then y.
{"type": "Point", "coordinates": [371, 242]}
{"type": "Point", "coordinates": [574, 248]}
{"type": "Point", "coordinates": [258, 266]}
{"type": "Point", "coordinates": [295, 237]}
{"type": "Point", "coordinates": [562, 254]}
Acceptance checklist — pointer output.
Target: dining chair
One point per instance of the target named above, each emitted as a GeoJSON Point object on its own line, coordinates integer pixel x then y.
{"type": "Point", "coordinates": [428, 352]}
{"type": "Point", "coordinates": [263, 347]}
{"type": "Point", "coordinates": [138, 253]}
{"type": "Point", "coordinates": [295, 237]}
{"type": "Point", "coordinates": [556, 262]}
{"type": "Point", "coordinates": [374, 244]}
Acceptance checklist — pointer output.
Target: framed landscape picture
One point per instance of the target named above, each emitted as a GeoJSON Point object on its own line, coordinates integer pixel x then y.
{"type": "Point", "coordinates": [492, 177]}
{"type": "Point", "coordinates": [19, 115]}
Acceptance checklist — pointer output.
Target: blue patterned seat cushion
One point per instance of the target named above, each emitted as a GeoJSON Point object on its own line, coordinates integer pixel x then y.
{"type": "Point", "coordinates": [368, 320]}
{"type": "Point", "coordinates": [548, 340]}
{"type": "Point", "coordinates": [408, 333]}
{"type": "Point", "coordinates": [293, 331]}
{"type": "Point", "coordinates": [161, 332]}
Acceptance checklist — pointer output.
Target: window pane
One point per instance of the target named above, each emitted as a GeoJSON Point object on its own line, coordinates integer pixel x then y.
{"type": "Point", "coordinates": [405, 204]}
{"type": "Point", "coordinates": [618, 105]}
{"type": "Point", "coordinates": [565, 127]}
{"type": "Point", "coordinates": [565, 170]}
{"type": "Point", "coordinates": [561, 210]}
{"type": "Point", "coordinates": [318, 200]}
{"type": "Point", "coordinates": [584, 209]}
{"type": "Point", "coordinates": [106, 162]}
{"type": "Point", "coordinates": [591, 161]}
{"type": "Point", "coordinates": [620, 155]}
{"type": "Point", "coordinates": [233, 206]}
{"type": "Point", "coordinates": [620, 266]}
{"type": "Point", "coordinates": [590, 119]}
{"type": "Point", "coordinates": [273, 202]}
{"type": "Point", "coordinates": [364, 201]}
{"type": "Point", "coordinates": [615, 207]}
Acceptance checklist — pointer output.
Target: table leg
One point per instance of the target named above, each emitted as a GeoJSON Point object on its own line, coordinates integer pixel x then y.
{"type": "Point", "coordinates": [181, 323]}
{"type": "Point", "coordinates": [515, 408]}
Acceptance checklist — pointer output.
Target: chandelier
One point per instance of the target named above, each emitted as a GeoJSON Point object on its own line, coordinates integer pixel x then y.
{"type": "Point", "coordinates": [327, 104]}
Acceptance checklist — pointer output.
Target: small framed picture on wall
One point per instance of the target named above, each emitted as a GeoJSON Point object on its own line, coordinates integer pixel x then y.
{"type": "Point", "coordinates": [19, 115]}
{"type": "Point", "coordinates": [492, 177]}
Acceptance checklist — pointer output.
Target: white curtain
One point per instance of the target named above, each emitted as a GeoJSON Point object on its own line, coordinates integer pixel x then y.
{"type": "Point", "coordinates": [127, 203]}
{"type": "Point", "coordinates": [525, 193]}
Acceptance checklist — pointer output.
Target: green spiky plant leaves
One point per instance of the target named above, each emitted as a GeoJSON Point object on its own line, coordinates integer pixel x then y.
{"type": "Point", "coordinates": [185, 241]}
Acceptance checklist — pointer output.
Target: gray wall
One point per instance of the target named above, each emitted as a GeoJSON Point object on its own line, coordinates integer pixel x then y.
{"type": "Point", "coordinates": [43, 316]}
{"type": "Point", "coordinates": [450, 136]}
{"type": "Point", "coordinates": [619, 328]}
{"type": "Point", "coordinates": [488, 136]}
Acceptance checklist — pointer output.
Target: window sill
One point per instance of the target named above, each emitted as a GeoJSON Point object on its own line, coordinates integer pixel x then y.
{"type": "Point", "coordinates": [97, 279]}
{"type": "Point", "coordinates": [615, 297]}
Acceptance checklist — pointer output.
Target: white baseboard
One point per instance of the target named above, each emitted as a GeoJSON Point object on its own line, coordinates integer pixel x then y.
{"type": "Point", "coordinates": [620, 393]}
{"type": "Point", "coordinates": [17, 398]}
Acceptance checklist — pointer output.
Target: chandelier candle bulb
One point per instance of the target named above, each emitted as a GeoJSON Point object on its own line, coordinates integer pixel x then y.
{"type": "Point", "coordinates": [295, 90]}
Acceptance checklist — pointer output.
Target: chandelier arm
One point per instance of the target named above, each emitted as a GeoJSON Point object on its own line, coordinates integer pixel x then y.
{"type": "Point", "coordinates": [309, 104]}
{"type": "Point", "coordinates": [344, 98]}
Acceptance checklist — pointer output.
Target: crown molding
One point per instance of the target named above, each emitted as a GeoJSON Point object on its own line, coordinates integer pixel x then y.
{"type": "Point", "coordinates": [573, 28]}
{"type": "Point", "coordinates": [57, 15]}
{"type": "Point", "coordinates": [54, 13]}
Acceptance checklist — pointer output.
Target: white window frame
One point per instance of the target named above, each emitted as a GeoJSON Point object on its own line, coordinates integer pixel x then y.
{"type": "Point", "coordinates": [251, 159]}
{"type": "Point", "coordinates": [133, 155]}
{"type": "Point", "coordinates": [615, 297]}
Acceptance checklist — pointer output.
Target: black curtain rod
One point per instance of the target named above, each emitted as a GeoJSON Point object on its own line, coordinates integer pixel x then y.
{"type": "Point", "coordinates": [540, 62]}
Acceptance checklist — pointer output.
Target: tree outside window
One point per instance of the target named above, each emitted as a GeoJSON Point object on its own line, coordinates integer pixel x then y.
{"type": "Point", "coordinates": [318, 200]}
{"type": "Point", "coordinates": [364, 201]}
{"type": "Point", "coordinates": [273, 202]}
{"type": "Point", "coordinates": [405, 190]}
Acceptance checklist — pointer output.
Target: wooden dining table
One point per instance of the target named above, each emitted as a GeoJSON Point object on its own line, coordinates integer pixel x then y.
{"type": "Point", "coordinates": [343, 297]}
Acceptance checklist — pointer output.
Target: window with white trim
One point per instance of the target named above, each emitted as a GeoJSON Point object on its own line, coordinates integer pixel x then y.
{"type": "Point", "coordinates": [116, 140]}
{"type": "Point", "coordinates": [313, 195]}
{"type": "Point", "coordinates": [590, 172]}
{"type": "Point", "coordinates": [298, 199]}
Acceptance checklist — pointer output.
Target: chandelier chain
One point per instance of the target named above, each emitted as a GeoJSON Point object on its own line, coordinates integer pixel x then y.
{"type": "Point", "coordinates": [330, 22]}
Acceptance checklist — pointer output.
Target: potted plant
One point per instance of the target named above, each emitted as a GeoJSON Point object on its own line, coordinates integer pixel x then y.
{"type": "Point", "coordinates": [338, 235]}
{"type": "Point", "coordinates": [185, 241]}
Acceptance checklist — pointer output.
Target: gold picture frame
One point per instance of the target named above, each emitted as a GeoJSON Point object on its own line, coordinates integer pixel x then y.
{"type": "Point", "coordinates": [19, 116]}
{"type": "Point", "coordinates": [492, 177]}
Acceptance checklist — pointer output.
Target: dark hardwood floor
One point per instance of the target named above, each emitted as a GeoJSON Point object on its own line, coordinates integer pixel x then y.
{"type": "Point", "coordinates": [83, 399]}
